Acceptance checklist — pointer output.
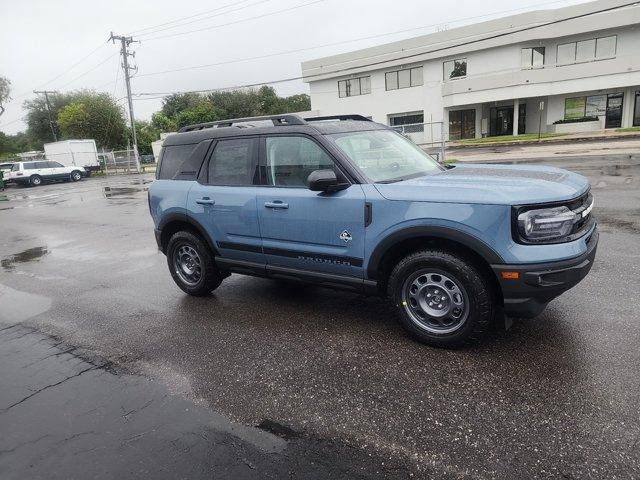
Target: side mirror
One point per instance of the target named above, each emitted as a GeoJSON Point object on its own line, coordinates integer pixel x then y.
{"type": "Point", "coordinates": [324, 181]}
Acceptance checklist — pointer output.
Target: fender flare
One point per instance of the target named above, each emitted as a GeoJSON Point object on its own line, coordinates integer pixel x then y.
{"type": "Point", "coordinates": [433, 231]}
{"type": "Point", "coordinates": [184, 218]}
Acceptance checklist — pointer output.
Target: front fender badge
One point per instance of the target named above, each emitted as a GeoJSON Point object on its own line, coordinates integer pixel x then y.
{"type": "Point", "coordinates": [345, 236]}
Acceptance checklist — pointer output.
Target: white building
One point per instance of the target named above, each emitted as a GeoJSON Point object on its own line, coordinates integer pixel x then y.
{"type": "Point", "coordinates": [491, 78]}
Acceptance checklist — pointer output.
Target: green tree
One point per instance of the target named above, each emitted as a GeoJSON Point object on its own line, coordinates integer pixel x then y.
{"type": "Point", "coordinates": [94, 115]}
{"type": "Point", "coordinates": [5, 91]}
{"type": "Point", "coordinates": [146, 133]}
{"type": "Point", "coordinates": [162, 123]}
{"type": "Point", "coordinates": [204, 112]}
{"type": "Point", "coordinates": [179, 102]}
{"type": "Point", "coordinates": [12, 144]}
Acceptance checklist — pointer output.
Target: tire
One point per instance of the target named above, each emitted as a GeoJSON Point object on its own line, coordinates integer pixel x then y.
{"type": "Point", "coordinates": [441, 299]}
{"type": "Point", "coordinates": [76, 176]}
{"type": "Point", "coordinates": [183, 247]}
{"type": "Point", "coordinates": [35, 180]}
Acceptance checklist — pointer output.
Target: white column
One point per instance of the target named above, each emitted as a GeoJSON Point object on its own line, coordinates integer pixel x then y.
{"type": "Point", "coordinates": [516, 114]}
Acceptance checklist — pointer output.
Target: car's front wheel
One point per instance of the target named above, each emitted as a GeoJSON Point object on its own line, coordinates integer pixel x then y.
{"type": "Point", "coordinates": [440, 298]}
{"type": "Point", "coordinates": [192, 265]}
{"type": "Point", "coordinates": [76, 176]}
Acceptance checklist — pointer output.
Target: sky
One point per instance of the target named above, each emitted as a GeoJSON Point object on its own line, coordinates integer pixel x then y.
{"type": "Point", "coordinates": [63, 45]}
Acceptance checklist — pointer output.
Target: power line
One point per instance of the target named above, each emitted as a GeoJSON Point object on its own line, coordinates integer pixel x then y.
{"type": "Point", "coordinates": [137, 32]}
{"type": "Point", "coordinates": [413, 55]}
{"type": "Point", "coordinates": [205, 18]}
{"type": "Point", "coordinates": [89, 71]}
{"type": "Point", "coordinates": [332, 44]}
{"type": "Point", "coordinates": [236, 21]}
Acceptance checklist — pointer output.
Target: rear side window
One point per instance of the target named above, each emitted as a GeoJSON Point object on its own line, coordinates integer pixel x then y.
{"type": "Point", "coordinates": [171, 158]}
{"type": "Point", "coordinates": [234, 162]}
{"type": "Point", "coordinates": [42, 165]}
{"type": "Point", "coordinates": [30, 166]}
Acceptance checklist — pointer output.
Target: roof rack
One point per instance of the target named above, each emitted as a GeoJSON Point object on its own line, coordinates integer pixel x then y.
{"type": "Point", "coordinates": [277, 120]}
{"type": "Point", "coordinates": [360, 118]}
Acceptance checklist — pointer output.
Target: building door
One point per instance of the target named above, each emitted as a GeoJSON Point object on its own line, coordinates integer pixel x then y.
{"type": "Point", "coordinates": [501, 121]}
{"type": "Point", "coordinates": [613, 117]}
{"type": "Point", "coordinates": [462, 124]}
{"type": "Point", "coordinates": [636, 110]}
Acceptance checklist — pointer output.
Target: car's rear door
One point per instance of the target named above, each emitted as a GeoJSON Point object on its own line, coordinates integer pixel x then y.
{"type": "Point", "coordinates": [223, 201]}
{"type": "Point", "coordinates": [305, 230]}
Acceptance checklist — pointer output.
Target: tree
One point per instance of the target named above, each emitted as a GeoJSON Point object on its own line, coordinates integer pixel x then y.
{"type": "Point", "coordinates": [5, 91]}
{"type": "Point", "coordinates": [178, 102]}
{"type": "Point", "coordinates": [146, 134]}
{"type": "Point", "coordinates": [162, 123]}
{"type": "Point", "coordinates": [12, 144]}
{"type": "Point", "coordinates": [204, 112]}
{"type": "Point", "coordinates": [94, 115]}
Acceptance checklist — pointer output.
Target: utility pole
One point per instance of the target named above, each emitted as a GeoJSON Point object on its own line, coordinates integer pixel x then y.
{"type": "Point", "coordinates": [124, 51]}
{"type": "Point", "coordinates": [46, 97]}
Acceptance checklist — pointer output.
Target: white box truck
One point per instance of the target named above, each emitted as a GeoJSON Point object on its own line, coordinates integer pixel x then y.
{"type": "Point", "coordinates": [81, 153]}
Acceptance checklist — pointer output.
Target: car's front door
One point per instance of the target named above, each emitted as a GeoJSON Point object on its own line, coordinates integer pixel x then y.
{"type": "Point", "coordinates": [224, 200]}
{"type": "Point", "coordinates": [302, 229]}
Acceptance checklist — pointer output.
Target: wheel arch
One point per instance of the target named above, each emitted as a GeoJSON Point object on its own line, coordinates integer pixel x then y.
{"type": "Point", "coordinates": [176, 222]}
{"type": "Point", "coordinates": [398, 244]}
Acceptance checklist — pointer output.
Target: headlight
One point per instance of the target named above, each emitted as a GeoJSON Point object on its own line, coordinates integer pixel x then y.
{"type": "Point", "coordinates": [546, 223]}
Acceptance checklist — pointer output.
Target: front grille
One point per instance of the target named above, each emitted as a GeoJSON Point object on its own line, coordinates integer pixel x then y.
{"type": "Point", "coordinates": [578, 206]}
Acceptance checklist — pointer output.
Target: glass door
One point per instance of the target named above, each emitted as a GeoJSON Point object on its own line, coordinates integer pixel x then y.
{"type": "Point", "coordinates": [613, 117]}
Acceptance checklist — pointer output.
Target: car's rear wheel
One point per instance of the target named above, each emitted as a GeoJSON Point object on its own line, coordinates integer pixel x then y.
{"type": "Point", "coordinates": [76, 175]}
{"type": "Point", "coordinates": [35, 180]}
{"type": "Point", "coordinates": [441, 299]}
{"type": "Point", "coordinates": [192, 265]}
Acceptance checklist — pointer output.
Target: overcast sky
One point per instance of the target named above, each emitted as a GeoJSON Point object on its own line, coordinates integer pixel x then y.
{"type": "Point", "coordinates": [62, 45]}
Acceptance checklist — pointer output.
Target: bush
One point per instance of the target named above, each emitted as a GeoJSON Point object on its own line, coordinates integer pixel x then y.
{"type": "Point", "coordinates": [576, 120]}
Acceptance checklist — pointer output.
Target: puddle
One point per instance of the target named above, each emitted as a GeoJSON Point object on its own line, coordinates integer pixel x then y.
{"type": "Point", "coordinates": [122, 192]}
{"type": "Point", "coordinates": [277, 429]}
{"type": "Point", "coordinates": [28, 255]}
{"type": "Point", "coordinates": [18, 306]}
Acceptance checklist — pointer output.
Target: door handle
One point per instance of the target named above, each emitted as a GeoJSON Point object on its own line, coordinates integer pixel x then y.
{"type": "Point", "coordinates": [276, 204]}
{"type": "Point", "coordinates": [205, 201]}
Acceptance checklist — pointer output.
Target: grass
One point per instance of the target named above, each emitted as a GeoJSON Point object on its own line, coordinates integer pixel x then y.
{"type": "Point", "coordinates": [527, 137]}
{"type": "Point", "coordinates": [629, 129]}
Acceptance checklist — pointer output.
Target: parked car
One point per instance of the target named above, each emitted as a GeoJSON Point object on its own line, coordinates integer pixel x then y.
{"type": "Point", "coordinates": [345, 202]}
{"type": "Point", "coordinates": [35, 172]}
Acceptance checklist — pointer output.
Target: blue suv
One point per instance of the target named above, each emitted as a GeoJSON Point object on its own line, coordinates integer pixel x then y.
{"type": "Point", "coordinates": [345, 202]}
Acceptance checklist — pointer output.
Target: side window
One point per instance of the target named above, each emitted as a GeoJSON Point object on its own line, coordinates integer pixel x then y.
{"type": "Point", "coordinates": [55, 165]}
{"type": "Point", "coordinates": [234, 162]}
{"type": "Point", "coordinates": [42, 165]}
{"type": "Point", "coordinates": [29, 166]}
{"type": "Point", "coordinates": [290, 160]}
{"type": "Point", "coordinates": [171, 159]}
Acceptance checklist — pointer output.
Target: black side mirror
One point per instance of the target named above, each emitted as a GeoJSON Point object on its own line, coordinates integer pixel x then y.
{"type": "Point", "coordinates": [324, 181]}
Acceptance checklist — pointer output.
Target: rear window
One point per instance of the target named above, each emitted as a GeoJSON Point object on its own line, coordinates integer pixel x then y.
{"type": "Point", "coordinates": [171, 158]}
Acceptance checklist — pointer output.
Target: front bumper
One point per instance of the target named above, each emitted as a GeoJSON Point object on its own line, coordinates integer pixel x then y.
{"type": "Point", "coordinates": [537, 284]}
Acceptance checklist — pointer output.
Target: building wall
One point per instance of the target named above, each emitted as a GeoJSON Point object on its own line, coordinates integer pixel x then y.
{"type": "Point", "coordinates": [495, 76]}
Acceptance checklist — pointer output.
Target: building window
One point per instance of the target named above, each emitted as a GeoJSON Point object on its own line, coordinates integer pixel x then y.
{"type": "Point", "coordinates": [409, 77]}
{"type": "Point", "coordinates": [354, 86]}
{"type": "Point", "coordinates": [606, 46]}
{"type": "Point", "coordinates": [455, 68]}
{"type": "Point", "coordinates": [532, 57]}
{"type": "Point", "coordinates": [587, 50]}
{"type": "Point", "coordinates": [636, 110]}
{"type": "Point", "coordinates": [407, 122]}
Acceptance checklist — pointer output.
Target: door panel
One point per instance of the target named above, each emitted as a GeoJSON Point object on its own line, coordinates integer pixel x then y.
{"type": "Point", "coordinates": [313, 230]}
{"type": "Point", "coordinates": [230, 217]}
{"type": "Point", "coordinates": [224, 201]}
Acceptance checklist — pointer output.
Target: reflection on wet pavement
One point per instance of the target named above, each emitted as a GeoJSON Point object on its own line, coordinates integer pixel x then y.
{"type": "Point", "coordinates": [122, 192]}
{"type": "Point", "coordinates": [25, 256]}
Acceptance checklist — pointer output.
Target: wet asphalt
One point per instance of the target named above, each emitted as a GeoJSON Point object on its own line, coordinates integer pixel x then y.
{"type": "Point", "coordinates": [328, 377]}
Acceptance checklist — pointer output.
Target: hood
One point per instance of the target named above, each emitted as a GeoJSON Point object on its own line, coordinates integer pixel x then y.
{"type": "Point", "coordinates": [490, 184]}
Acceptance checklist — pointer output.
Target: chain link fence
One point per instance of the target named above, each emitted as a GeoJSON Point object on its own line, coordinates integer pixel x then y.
{"type": "Point", "coordinates": [430, 136]}
{"type": "Point", "coordinates": [118, 162]}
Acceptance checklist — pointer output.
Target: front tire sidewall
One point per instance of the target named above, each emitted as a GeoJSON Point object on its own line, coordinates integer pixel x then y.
{"type": "Point", "coordinates": [35, 181]}
{"type": "Point", "coordinates": [76, 176]}
{"type": "Point", "coordinates": [211, 277]}
{"type": "Point", "coordinates": [475, 289]}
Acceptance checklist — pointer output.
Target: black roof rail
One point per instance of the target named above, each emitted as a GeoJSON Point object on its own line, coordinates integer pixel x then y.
{"type": "Point", "coordinates": [278, 120]}
{"type": "Point", "coordinates": [361, 118]}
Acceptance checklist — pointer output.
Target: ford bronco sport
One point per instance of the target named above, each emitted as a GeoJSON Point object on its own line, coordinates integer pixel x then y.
{"type": "Point", "coordinates": [345, 202]}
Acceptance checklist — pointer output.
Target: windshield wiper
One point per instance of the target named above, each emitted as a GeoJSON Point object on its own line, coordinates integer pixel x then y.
{"type": "Point", "coordinates": [392, 180]}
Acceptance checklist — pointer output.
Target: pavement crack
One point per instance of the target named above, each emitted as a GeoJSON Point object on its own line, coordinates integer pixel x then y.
{"type": "Point", "coordinates": [136, 410]}
{"type": "Point", "coordinates": [49, 356]}
{"type": "Point", "coordinates": [24, 444]}
{"type": "Point", "coordinates": [46, 387]}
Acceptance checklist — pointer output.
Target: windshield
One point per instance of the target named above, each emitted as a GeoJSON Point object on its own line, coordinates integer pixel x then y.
{"type": "Point", "coordinates": [385, 156]}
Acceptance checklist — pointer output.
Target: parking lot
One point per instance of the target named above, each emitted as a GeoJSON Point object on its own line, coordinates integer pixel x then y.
{"type": "Point", "coordinates": [336, 386]}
